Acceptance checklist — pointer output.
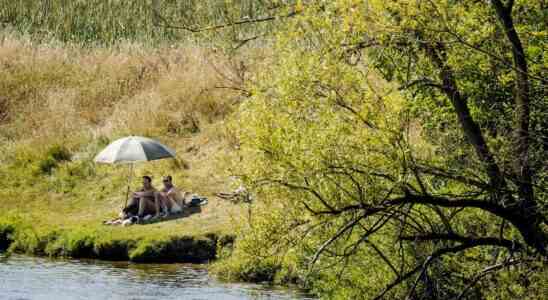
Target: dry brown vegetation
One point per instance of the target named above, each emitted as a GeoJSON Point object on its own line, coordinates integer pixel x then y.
{"type": "Point", "coordinates": [110, 90]}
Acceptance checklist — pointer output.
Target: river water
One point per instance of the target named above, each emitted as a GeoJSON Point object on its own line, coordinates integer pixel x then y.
{"type": "Point", "coordinates": [23, 277]}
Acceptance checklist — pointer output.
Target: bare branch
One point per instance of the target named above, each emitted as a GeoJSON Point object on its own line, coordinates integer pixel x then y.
{"type": "Point", "coordinates": [486, 272]}
{"type": "Point", "coordinates": [421, 82]}
{"type": "Point", "coordinates": [160, 20]}
{"type": "Point", "coordinates": [336, 236]}
{"type": "Point", "coordinates": [512, 245]}
{"type": "Point", "coordinates": [435, 255]}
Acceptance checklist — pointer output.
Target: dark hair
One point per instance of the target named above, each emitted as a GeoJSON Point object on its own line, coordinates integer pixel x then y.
{"type": "Point", "coordinates": [168, 177]}
{"type": "Point", "coordinates": [147, 178]}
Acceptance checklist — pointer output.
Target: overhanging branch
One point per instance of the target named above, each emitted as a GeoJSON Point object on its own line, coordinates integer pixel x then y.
{"type": "Point", "coordinates": [512, 245]}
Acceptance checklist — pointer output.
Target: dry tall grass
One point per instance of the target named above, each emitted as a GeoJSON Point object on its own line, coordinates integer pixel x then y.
{"type": "Point", "coordinates": [50, 91]}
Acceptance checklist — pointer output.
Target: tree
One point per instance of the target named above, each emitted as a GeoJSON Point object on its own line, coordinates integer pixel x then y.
{"type": "Point", "coordinates": [412, 134]}
{"type": "Point", "coordinates": [430, 42]}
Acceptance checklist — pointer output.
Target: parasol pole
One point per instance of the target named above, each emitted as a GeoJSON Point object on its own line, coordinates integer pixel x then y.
{"type": "Point", "coordinates": [130, 176]}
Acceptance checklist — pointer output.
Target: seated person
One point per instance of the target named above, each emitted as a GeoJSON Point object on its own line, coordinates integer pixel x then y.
{"type": "Point", "coordinates": [170, 197]}
{"type": "Point", "coordinates": [143, 201]}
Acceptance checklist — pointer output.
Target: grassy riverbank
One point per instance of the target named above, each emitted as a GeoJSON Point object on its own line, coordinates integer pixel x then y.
{"type": "Point", "coordinates": [392, 149]}
{"type": "Point", "coordinates": [61, 103]}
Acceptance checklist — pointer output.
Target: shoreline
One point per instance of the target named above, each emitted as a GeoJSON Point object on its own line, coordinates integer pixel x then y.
{"type": "Point", "coordinates": [198, 249]}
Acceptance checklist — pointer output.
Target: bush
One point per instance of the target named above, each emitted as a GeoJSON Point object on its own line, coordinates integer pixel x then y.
{"type": "Point", "coordinates": [58, 153]}
{"type": "Point", "coordinates": [53, 156]}
{"type": "Point", "coordinates": [46, 165]}
{"type": "Point", "coordinates": [244, 269]}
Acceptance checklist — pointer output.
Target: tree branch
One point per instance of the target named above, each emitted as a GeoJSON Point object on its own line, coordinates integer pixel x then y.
{"type": "Point", "coordinates": [485, 272]}
{"type": "Point", "coordinates": [435, 255]}
{"type": "Point", "coordinates": [512, 245]}
{"type": "Point", "coordinates": [521, 116]}
{"type": "Point", "coordinates": [437, 53]}
{"type": "Point", "coordinates": [165, 23]}
{"type": "Point", "coordinates": [341, 231]}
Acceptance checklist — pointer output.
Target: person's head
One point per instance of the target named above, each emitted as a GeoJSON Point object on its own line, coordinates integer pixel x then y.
{"type": "Point", "coordinates": [147, 181]}
{"type": "Point", "coordinates": [168, 181]}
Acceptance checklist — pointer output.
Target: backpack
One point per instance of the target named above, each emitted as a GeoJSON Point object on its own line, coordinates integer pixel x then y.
{"type": "Point", "coordinates": [197, 201]}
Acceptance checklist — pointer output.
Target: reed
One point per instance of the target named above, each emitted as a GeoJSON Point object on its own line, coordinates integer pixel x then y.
{"type": "Point", "coordinates": [94, 21]}
{"type": "Point", "coordinates": [107, 22]}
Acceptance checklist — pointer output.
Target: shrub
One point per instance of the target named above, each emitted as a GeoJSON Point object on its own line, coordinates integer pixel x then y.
{"type": "Point", "coordinates": [46, 165]}
{"type": "Point", "coordinates": [58, 153]}
{"type": "Point", "coordinates": [53, 156]}
{"type": "Point", "coordinates": [243, 269]}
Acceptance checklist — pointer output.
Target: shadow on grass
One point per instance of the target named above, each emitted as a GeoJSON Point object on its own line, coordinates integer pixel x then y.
{"type": "Point", "coordinates": [187, 212]}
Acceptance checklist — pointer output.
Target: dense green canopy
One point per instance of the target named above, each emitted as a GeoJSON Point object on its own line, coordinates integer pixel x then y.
{"type": "Point", "coordinates": [397, 149]}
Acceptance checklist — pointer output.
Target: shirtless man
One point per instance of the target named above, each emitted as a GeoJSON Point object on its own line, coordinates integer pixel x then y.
{"type": "Point", "coordinates": [169, 197]}
{"type": "Point", "coordinates": [143, 202]}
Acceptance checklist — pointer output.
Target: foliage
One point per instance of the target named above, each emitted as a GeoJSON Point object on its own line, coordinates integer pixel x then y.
{"type": "Point", "coordinates": [254, 259]}
{"type": "Point", "coordinates": [388, 158]}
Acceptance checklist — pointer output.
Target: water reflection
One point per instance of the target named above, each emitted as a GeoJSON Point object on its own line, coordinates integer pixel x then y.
{"type": "Point", "coordinates": [23, 277]}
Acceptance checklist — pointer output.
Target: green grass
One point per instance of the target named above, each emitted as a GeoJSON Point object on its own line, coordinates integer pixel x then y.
{"type": "Point", "coordinates": [59, 211]}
